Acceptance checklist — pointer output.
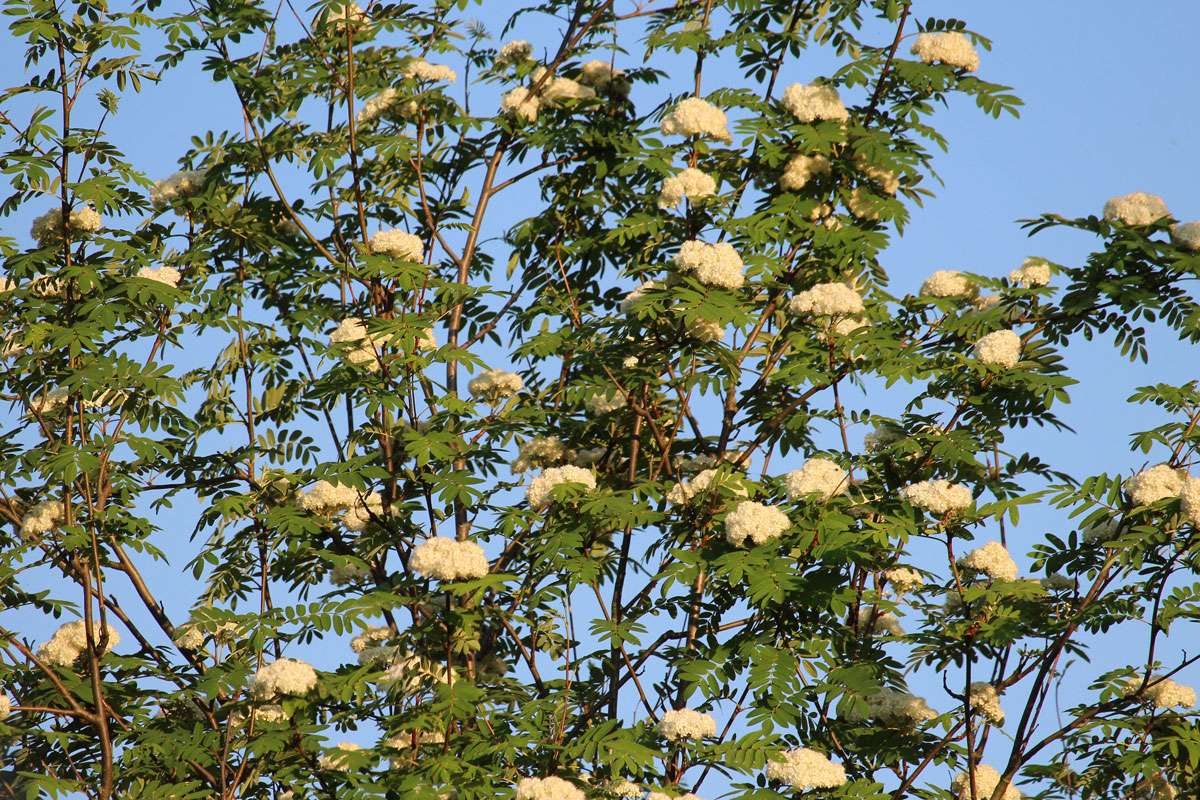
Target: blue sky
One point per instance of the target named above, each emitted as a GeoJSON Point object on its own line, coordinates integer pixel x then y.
{"type": "Point", "coordinates": [1110, 108]}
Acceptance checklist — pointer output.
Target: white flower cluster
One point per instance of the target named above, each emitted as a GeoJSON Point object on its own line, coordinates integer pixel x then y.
{"type": "Point", "coordinates": [1166, 693]}
{"type": "Point", "coordinates": [603, 403]}
{"type": "Point", "coordinates": [187, 183]}
{"type": "Point", "coordinates": [713, 264]}
{"type": "Point", "coordinates": [285, 676]}
{"type": "Point", "coordinates": [993, 560]}
{"type": "Point", "coordinates": [49, 226]}
{"type": "Point", "coordinates": [421, 70]}
{"type": "Point", "coordinates": [694, 116]}
{"type": "Point", "coordinates": [514, 52]}
{"type": "Point", "coordinates": [630, 300]}
{"type": "Point", "coordinates": [556, 90]}
{"type": "Point", "coordinates": [985, 700]}
{"type": "Point", "coordinates": [999, 349]}
{"type": "Point", "coordinates": [626, 790]}
{"type": "Point", "coordinates": [689, 183]}
{"type": "Point", "coordinates": [755, 522]}
{"type": "Point", "coordinates": [665, 796]}
{"type": "Point", "coordinates": [599, 74]}
{"type": "Point", "coordinates": [359, 515]}
{"type": "Point", "coordinates": [6, 705]}
{"type": "Point", "coordinates": [903, 579]}
{"type": "Point", "coordinates": [799, 170]}
{"type": "Point", "coordinates": [814, 102]}
{"type": "Point", "coordinates": [938, 497]}
{"type": "Point", "coordinates": [818, 477]}
{"type": "Point", "coordinates": [351, 330]}
{"type": "Point", "coordinates": [398, 244]}
{"type": "Point", "coordinates": [803, 768]}
{"type": "Point", "coordinates": [411, 673]}
{"type": "Point", "coordinates": [705, 480]}
{"type": "Point", "coordinates": [404, 741]}
{"type": "Point", "coordinates": [337, 758]}
{"type": "Point", "coordinates": [887, 180]}
{"type": "Point", "coordinates": [986, 781]}
{"type": "Point", "coordinates": [1154, 484]}
{"type": "Point", "coordinates": [521, 103]}
{"type": "Point", "coordinates": [192, 637]}
{"type": "Point", "coordinates": [168, 276]}
{"type": "Point", "coordinates": [326, 499]}
{"type": "Point", "coordinates": [950, 48]}
{"type": "Point", "coordinates": [827, 299]}
{"type": "Point", "coordinates": [705, 330]}
{"type": "Point", "coordinates": [1033, 272]}
{"type": "Point", "coordinates": [886, 624]}
{"type": "Point", "coordinates": [42, 518]}
{"type": "Point", "coordinates": [368, 644]}
{"type": "Point", "coordinates": [1136, 208]}
{"type": "Point", "coordinates": [684, 723]}
{"type": "Point", "coordinates": [894, 707]}
{"type": "Point", "coordinates": [1189, 498]}
{"type": "Point", "coordinates": [550, 788]}
{"type": "Point", "coordinates": [495, 384]}
{"type": "Point", "coordinates": [70, 641]}
{"type": "Point", "coordinates": [540, 491]}
{"type": "Point", "coordinates": [1186, 235]}
{"type": "Point", "coordinates": [948, 283]}
{"type": "Point", "coordinates": [448, 559]}
{"type": "Point", "coordinates": [540, 452]}
{"type": "Point", "coordinates": [1154, 787]}
{"type": "Point", "coordinates": [386, 103]}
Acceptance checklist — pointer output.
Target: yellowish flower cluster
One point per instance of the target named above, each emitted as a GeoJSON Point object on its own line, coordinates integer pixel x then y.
{"type": "Point", "coordinates": [893, 707]}
{"type": "Point", "coordinates": [187, 183]}
{"type": "Point", "coordinates": [992, 560]}
{"type": "Point", "coordinates": [49, 227]}
{"type": "Point", "coordinates": [1157, 483]}
{"type": "Point", "coordinates": [398, 244]}
{"type": "Point", "coordinates": [540, 492]}
{"type": "Point", "coordinates": [337, 759]}
{"type": "Point", "coordinates": [800, 169]}
{"type": "Point", "coordinates": [540, 452]}
{"type": "Point", "coordinates": [1163, 692]}
{"type": "Point", "coordinates": [684, 491]}
{"type": "Point", "coordinates": [689, 183]}
{"type": "Point", "coordinates": [600, 404]}
{"type": "Point", "coordinates": [986, 701]}
{"type": "Point", "coordinates": [42, 518]}
{"type": "Point", "coordinates": [986, 781]}
{"type": "Point", "coordinates": [168, 276]}
{"type": "Point", "coordinates": [950, 48]}
{"type": "Point", "coordinates": [514, 52]}
{"type": "Point", "coordinates": [421, 70]}
{"type": "Point", "coordinates": [495, 384]}
{"type": "Point", "coordinates": [713, 264]}
{"type": "Point", "coordinates": [1186, 235]}
{"type": "Point", "coordinates": [903, 579]}
{"type": "Point", "coordinates": [999, 349]}
{"type": "Point", "coordinates": [938, 497]}
{"type": "Point", "coordinates": [1033, 272]}
{"type": "Point", "coordinates": [684, 723]}
{"type": "Point", "coordinates": [803, 768]}
{"type": "Point", "coordinates": [285, 676]}
{"type": "Point", "coordinates": [550, 788]}
{"type": "Point", "coordinates": [819, 478]}
{"type": "Point", "coordinates": [70, 641]}
{"type": "Point", "coordinates": [1136, 208]}
{"type": "Point", "coordinates": [326, 499]}
{"type": "Point", "coordinates": [814, 102]}
{"type": "Point", "coordinates": [754, 522]}
{"type": "Point", "coordinates": [448, 559]}
{"type": "Point", "coordinates": [827, 299]}
{"type": "Point", "coordinates": [360, 513]}
{"type": "Point", "coordinates": [948, 283]}
{"type": "Point", "coordinates": [694, 116]}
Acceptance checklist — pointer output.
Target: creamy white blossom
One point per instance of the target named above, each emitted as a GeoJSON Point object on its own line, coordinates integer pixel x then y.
{"type": "Point", "coordinates": [999, 348]}
{"type": "Point", "coordinates": [599, 404]}
{"type": "Point", "coordinates": [42, 518]}
{"type": "Point", "coordinates": [352, 331]}
{"type": "Point", "coordinates": [986, 781]}
{"type": "Point", "coordinates": [1033, 272]}
{"type": "Point", "coordinates": [948, 283]}
{"type": "Point", "coordinates": [1154, 484]}
{"type": "Point", "coordinates": [540, 452]}
{"type": "Point", "coordinates": [886, 624]}
{"type": "Point", "coordinates": [181, 185]}
{"type": "Point", "coordinates": [540, 492]}
{"type": "Point", "coordinates": [818, 477]}
{"type": "Point", "coordinates": [993, 560]}
{"type": "Point", "coordinates": [950, 48]}
{"type": "Point", "coordinates": [690, 183]}
{"type": "Point", "coordinates": [800, 169]}
{"type": "Point", "coordinates": [827, 299]}
{"type": "Point", "coordinates": [814, 102]}
{"type": "Point", "coordinates": [165, 275]}
{"type": "Point", "coordinates": [600, 74]}
{"type": "Point", "coordinates": [938, 497]}
{"type": "Point", "coordinates": [684, 723]}
{"type": "Point", "coordinates": [1189, 498]}
{"type": "Point", "coordinates": [521, 104]}
{"type": "Point", "coordinates": [398, 244]}
{"type": "Point", "coordinates": [1162, 692]}
{"type": "Point", "coordinates": [495, 384]}
{"type": "Point", "coordinates": [325, 498]}
{"type": "Point", "coordinates": [6, 705]}
{"type": "Point", "coordinates": [70, 641]}
{"type": "Point", "coordinates": [557, 89]}
{"type": "Point", "coordinates": [1186, 235]}
{"type": "Point", "coordinates": [704, 481]}
{"type": "Point", "coordinates": [986, 701]}
{"type": "Point", "coordinates": [448, 559]}
{"type": "Point", "coordinates": [713, 264]}
{"type": "Point", "coordinates": [694, 116]}
{"type": "Point", "coordinates": [894, 707]}
{"type": "Point", "coordinates": [1136, 208]}
{"type": "Point", "coordinates": [337, 759]}
{"type": "Point", "coordinates": [285, 676]}
{"type": "Point", "coordinates": [49, 226]}
{"type": "Point", "coordinates": [404, 741]}
{"type": "Point", "coordinates": [803, 768]}
{"type": "Point", "coordinates": [630, 300]}
{"type": "Point", "coordinates": [363, 510]}
{"type": "Point", "coordinates": [514, 52]}
{"type": "Point", "coordinates": [705, 330]}
{"type": "Point", "coordinates": [421, 70]}
{"type": "Point", "coordinates": [550, 788]}
{"type": "Point", "coordinates": [903, 579]}
{"type": "Point", "coordinates": [755, 522]}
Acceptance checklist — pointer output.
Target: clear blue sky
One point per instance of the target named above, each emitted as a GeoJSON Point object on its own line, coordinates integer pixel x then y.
{"type": "Point", "coordinates": [1110, 91]}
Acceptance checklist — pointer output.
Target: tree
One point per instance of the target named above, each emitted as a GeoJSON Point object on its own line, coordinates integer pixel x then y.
{"type": "Point", "coordinates": [544, 395]}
